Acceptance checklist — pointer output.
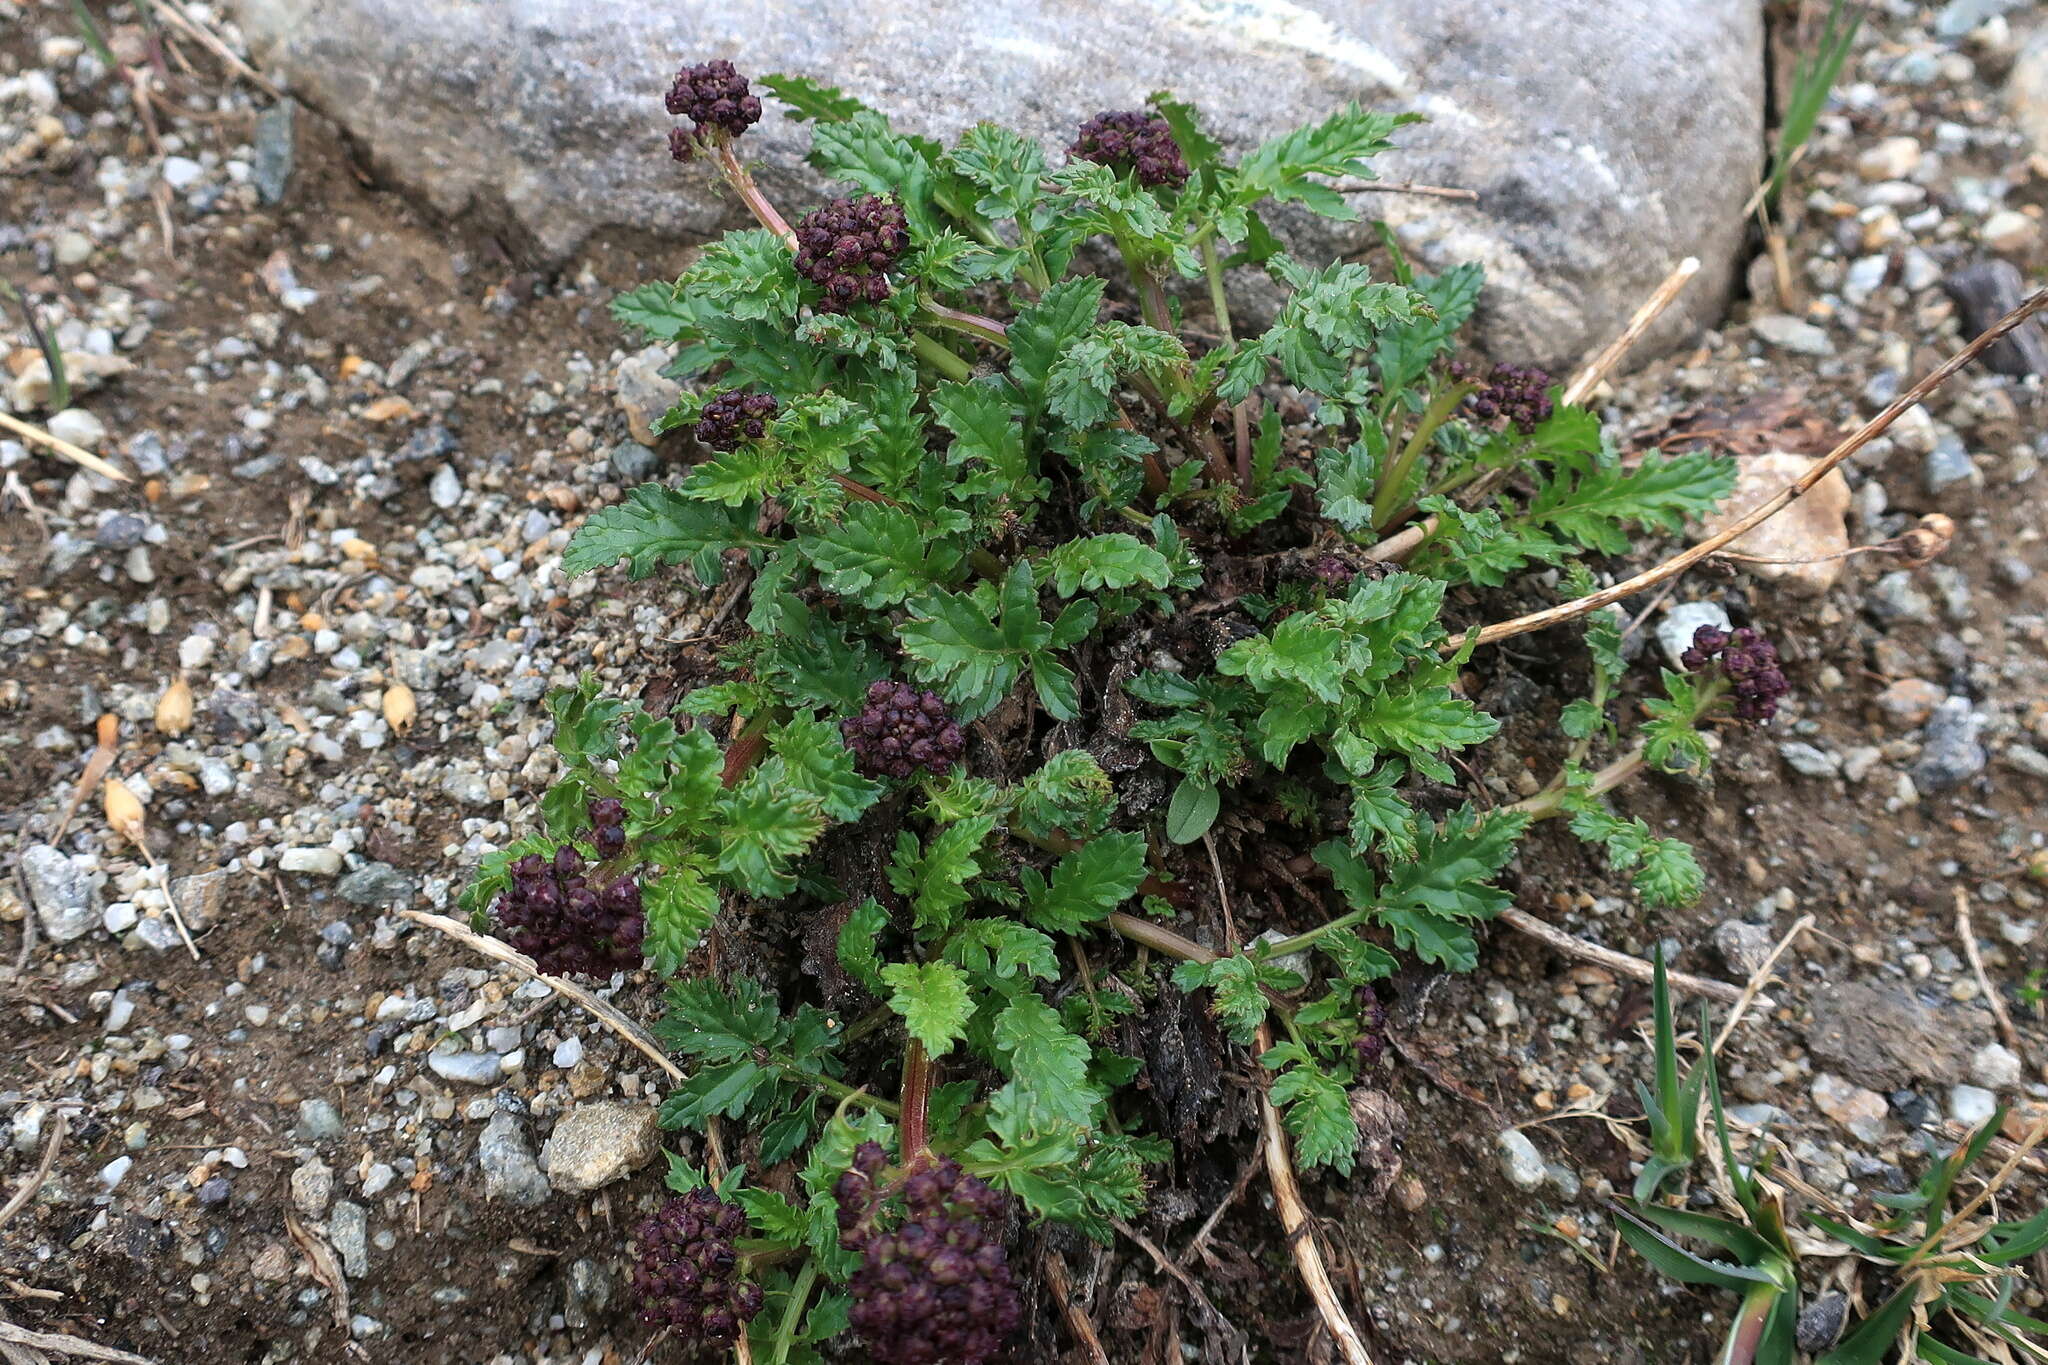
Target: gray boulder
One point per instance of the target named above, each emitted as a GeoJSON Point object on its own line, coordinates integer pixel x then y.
{"type": "Point", "coordinates": [1606, 141]}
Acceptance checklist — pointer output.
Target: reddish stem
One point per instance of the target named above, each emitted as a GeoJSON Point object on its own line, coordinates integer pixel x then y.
{"type": "Point", "coordinates": [742, 182]}
{"type": "Point", "coordinates": [915, 1101]}
{"type": "Point", "coordinates": [743, 753]}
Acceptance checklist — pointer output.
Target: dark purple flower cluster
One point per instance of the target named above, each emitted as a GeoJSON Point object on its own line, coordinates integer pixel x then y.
{"type": "Point", "coordinates": [901, 730]}
{"type": "Point", "coordinates": [1748, 661]}
{"type": "Point", "coordinates": [1371, 1043]}
{"type": "Point", "coordinates": [936, 1287]}
{"type": "Point", "coordinates": [1337, 574]}
{"type": "Point", "coordinates": [1132, 140]}
{"type": "Point", "coordinates": [688, 1276]}
{"type": "Point", "coordinates": [567, 924]}
{"type": "Point", "coordinates": [847, 247]}
{"type": "Point", "coordinates": [716, 98]}
{"type": "Point", "coordinates": [732, 418]}
{"type": "Point", "coordinates": [1520, 393]}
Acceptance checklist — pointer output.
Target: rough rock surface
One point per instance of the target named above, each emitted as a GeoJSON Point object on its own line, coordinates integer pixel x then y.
{"type": "Point", "coordinates": [595, 1144]}
{"type": "Point", "coordinates": [1605, 141]}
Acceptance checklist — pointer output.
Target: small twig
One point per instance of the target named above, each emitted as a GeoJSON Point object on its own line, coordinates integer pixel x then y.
{"type": "Point", "coordinates": [1968, 933]}
{"type": "Point", "coordinates": [1294, 1222]}
{"type": "Point", "coordinates": [1062, 1286]}
{"type": "Point", "coordinates": [35, 1182]}
{"type": "Point", "coordinates": [1407, 187]}
{"type": "Point", "coordinates": [1757, 979]}
{"type": "Point", "coordinates": [63, 447]}
{"type": "Point", "coordinates": [1517, 918]}
{"type": "Point", "coordinates": [1764, 511]}
{"type": "Point", "coordinates": [1603, 364]}
{"type": "Point", "coordinates": [169, 9]}
{"type": "Point", "coordinates": [1173, 1268]}
{"type": "Point", "coordinates": [96, 768]}
{"type": "Point", "coordinates": [1198, 1244]}
{"type": "Point", "coordinates": [57, 1343]}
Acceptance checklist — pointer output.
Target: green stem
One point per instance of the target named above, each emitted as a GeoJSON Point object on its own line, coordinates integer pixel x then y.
{"type": "Point", "coordinates": [1159, 938]}
{"type": "Point", "coordinates": [1394, 477]}
{"type": "Point", "coordinates": [936, 355]}
{"type": "Point", "coordinates": [1213, 265]}
{"type": "Point", "coordinates": [1747, 1332]}
{"type": "Point", "coordinates": [1266, 952]}
{"type": "Point", "coordinates": [793, 1311]}
{"type": "Point", "coordinates": [838, 1089]}
{"type": "Point", "coordinates": [1550, 801]}
{"type": "Point", "coordinates": [974, 324]}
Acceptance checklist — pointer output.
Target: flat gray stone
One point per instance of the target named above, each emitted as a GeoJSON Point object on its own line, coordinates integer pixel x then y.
{"type": "Point", "coordinates": [63, 889]}
{"type": "Point", "coordinates": [1605, 141]}
{"type": "Point", "coordinates": [506, 1158]}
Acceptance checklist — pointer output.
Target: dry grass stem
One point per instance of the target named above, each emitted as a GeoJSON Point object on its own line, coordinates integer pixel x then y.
{"type": "Point", "coordinates": [1301, 1237]}
{"type": "Point", "coordinates": [58, 1125]}
{"type": "Point", "coordinates": [58, 1344]}
{"type": "Point", "coordinates": [1968, 933]}
{"type": "Point", "coordinates": [1062, 1286]}
{"type": "Point", "coordinates": [1516, 918]}
{"type": "Point", "coordinates": [1757, 979]}
{"type": "Point", "coordinates": [35, 435]}
{"type": "Point", "coordinates": [1763, 512]}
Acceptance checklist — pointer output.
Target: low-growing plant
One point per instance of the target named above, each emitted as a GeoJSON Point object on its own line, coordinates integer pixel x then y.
{"type": "Point", "coordinates": [1958, 1276]}
{"type": "Point", "coordinates": [1037, 585]}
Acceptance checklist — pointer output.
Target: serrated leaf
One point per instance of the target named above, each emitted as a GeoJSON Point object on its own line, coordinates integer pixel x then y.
{"type": "Point", "coordinates": [1086, 884]}
{"type": "Point", "coordinates": [713, 1091]}
{"type": "Point", "coordinates": [859, 944]}
{"type": "Point", "coordinates": [1344, 481]}
{"type": "Point", "coordinates": [1235, 992]}
{"type": "Point", "coordinates": [717, 1021]}
{"type": "Point", "coordinates": [1006, 166]}
{"type": "Point", "coordinates": [863, 149]}
{"type": "Point", "coordinates": [748, 276]}
{"type": "Point", "coordinates": [1593, 503]}
{"type": "Point", "coordinates": [655, 527]}
{"type": "Point", "coordinates": [936, 876]}
{"type": "Point", "coordinates": [932, 1000]}
{"type": "Point", "coordinates": [1115, 560]}
{"type": "Point", "coordinates": [1380, 820]}
{"type": "Point", "coordinates": [655, 310]}
{"type": "Point", "coordinates": [1001, 948]}
{"type": "Point", "coordinates": [1341, 145]}
{"type": "Point", "coordinates": [1581, 718]}
{"type": "Point", "coordinates": [1070, 794]}
{"type": "Point", "coordinates": [1041, 333]}
{"type": "Point", "coordinates": [679, 906]}
{"type": "Point", "coordinates": [1314, 1108]}
{"type": "Point", "coordinates": [809, 99]}
{"type": "Point", "coordinates": [763, 831]}
{"type": "Point", "coordinates": [880, 554]}
{"type": "Point", "coordinates": [820, 767]}
{"type": "Point", "coordinates": [1048, 1065]}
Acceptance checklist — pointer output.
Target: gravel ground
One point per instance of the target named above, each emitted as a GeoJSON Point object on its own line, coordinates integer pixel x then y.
{"type": "Point", "coordinates": [360, 440]}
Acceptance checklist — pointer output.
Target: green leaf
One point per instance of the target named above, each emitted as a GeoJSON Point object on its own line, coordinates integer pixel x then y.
{"type": "Point", "coordinates": [1593, 502]}
{"type": "Point", "coordinates": [1116, 560]}
{"type": "Point", "coordinates": [1874, 1337]}
{"type": "Point", "coordinates": [713, 1091]}
{"type": "Point", "coordinates": [1086, 884]}
{"type": "Point", "coordinates": [1681, 1265]}
{"type": "Point", "coordinates": [679, 906]}
{"type": "Point", "coordinates": [655, 310]}
{"type": "Point", "coordinates": [1192, 810]}
{"type": "Point", "coordinates": [808, 99]}
{"type": "Point", "coordinates": [1235, 992]}
{"type": "Point", "coordinates": [1197, 148]}
{"type": "Point", "coordinates": [1341, 145]}
{"type": "Point", "coordinates": [880, 554]}
{"type": "Point", "coordinates": [862, 148]}
{"type": "Point", "coordinates": [764, 829]}
{"type": "Point", "coordinates": [819, 766]}
{"type": "Point", "coordinates": [656, 526]}
{"type": "Point", "coordinates": [1001, 948]}
{"type": "Point", "coordinates": [1005, 165]}
{"type": "Point", "coordinates": [1041, 333]}
{"type": "Point", "coordinates": [1405, 350]}
{"type": "Point", "coordinates": [932, 1000]}
{"type": "Point", "coordinates": [1070, 794]}
{"type": "Point", "coordinates": [1344, 479]}
{"type": "Point", "coordinates": [1048, 1065]}
{"type": "Point", "coordinates": [936, 877]}
{"type": "Point", "coordinates": [1314, 1108]}
{"type": "Point", "coordinates": [1581, 718]}
{"type": "Point", "coordinates": [748, 276]}
{"type": "Point", "coordinates": [1380, 819]}
{"type": "Point", "coordinates": [716, 1021]}
{"type": "Point", "coordinates": [859, 944]}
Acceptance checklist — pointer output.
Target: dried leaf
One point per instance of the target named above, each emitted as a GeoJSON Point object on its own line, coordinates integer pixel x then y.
{"type": "Point", "coordinates": [400, 707]}
{"type": "Point", "coordinates": [174, 708]}
{"type": "Point", "coordinates": [124, 812]}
